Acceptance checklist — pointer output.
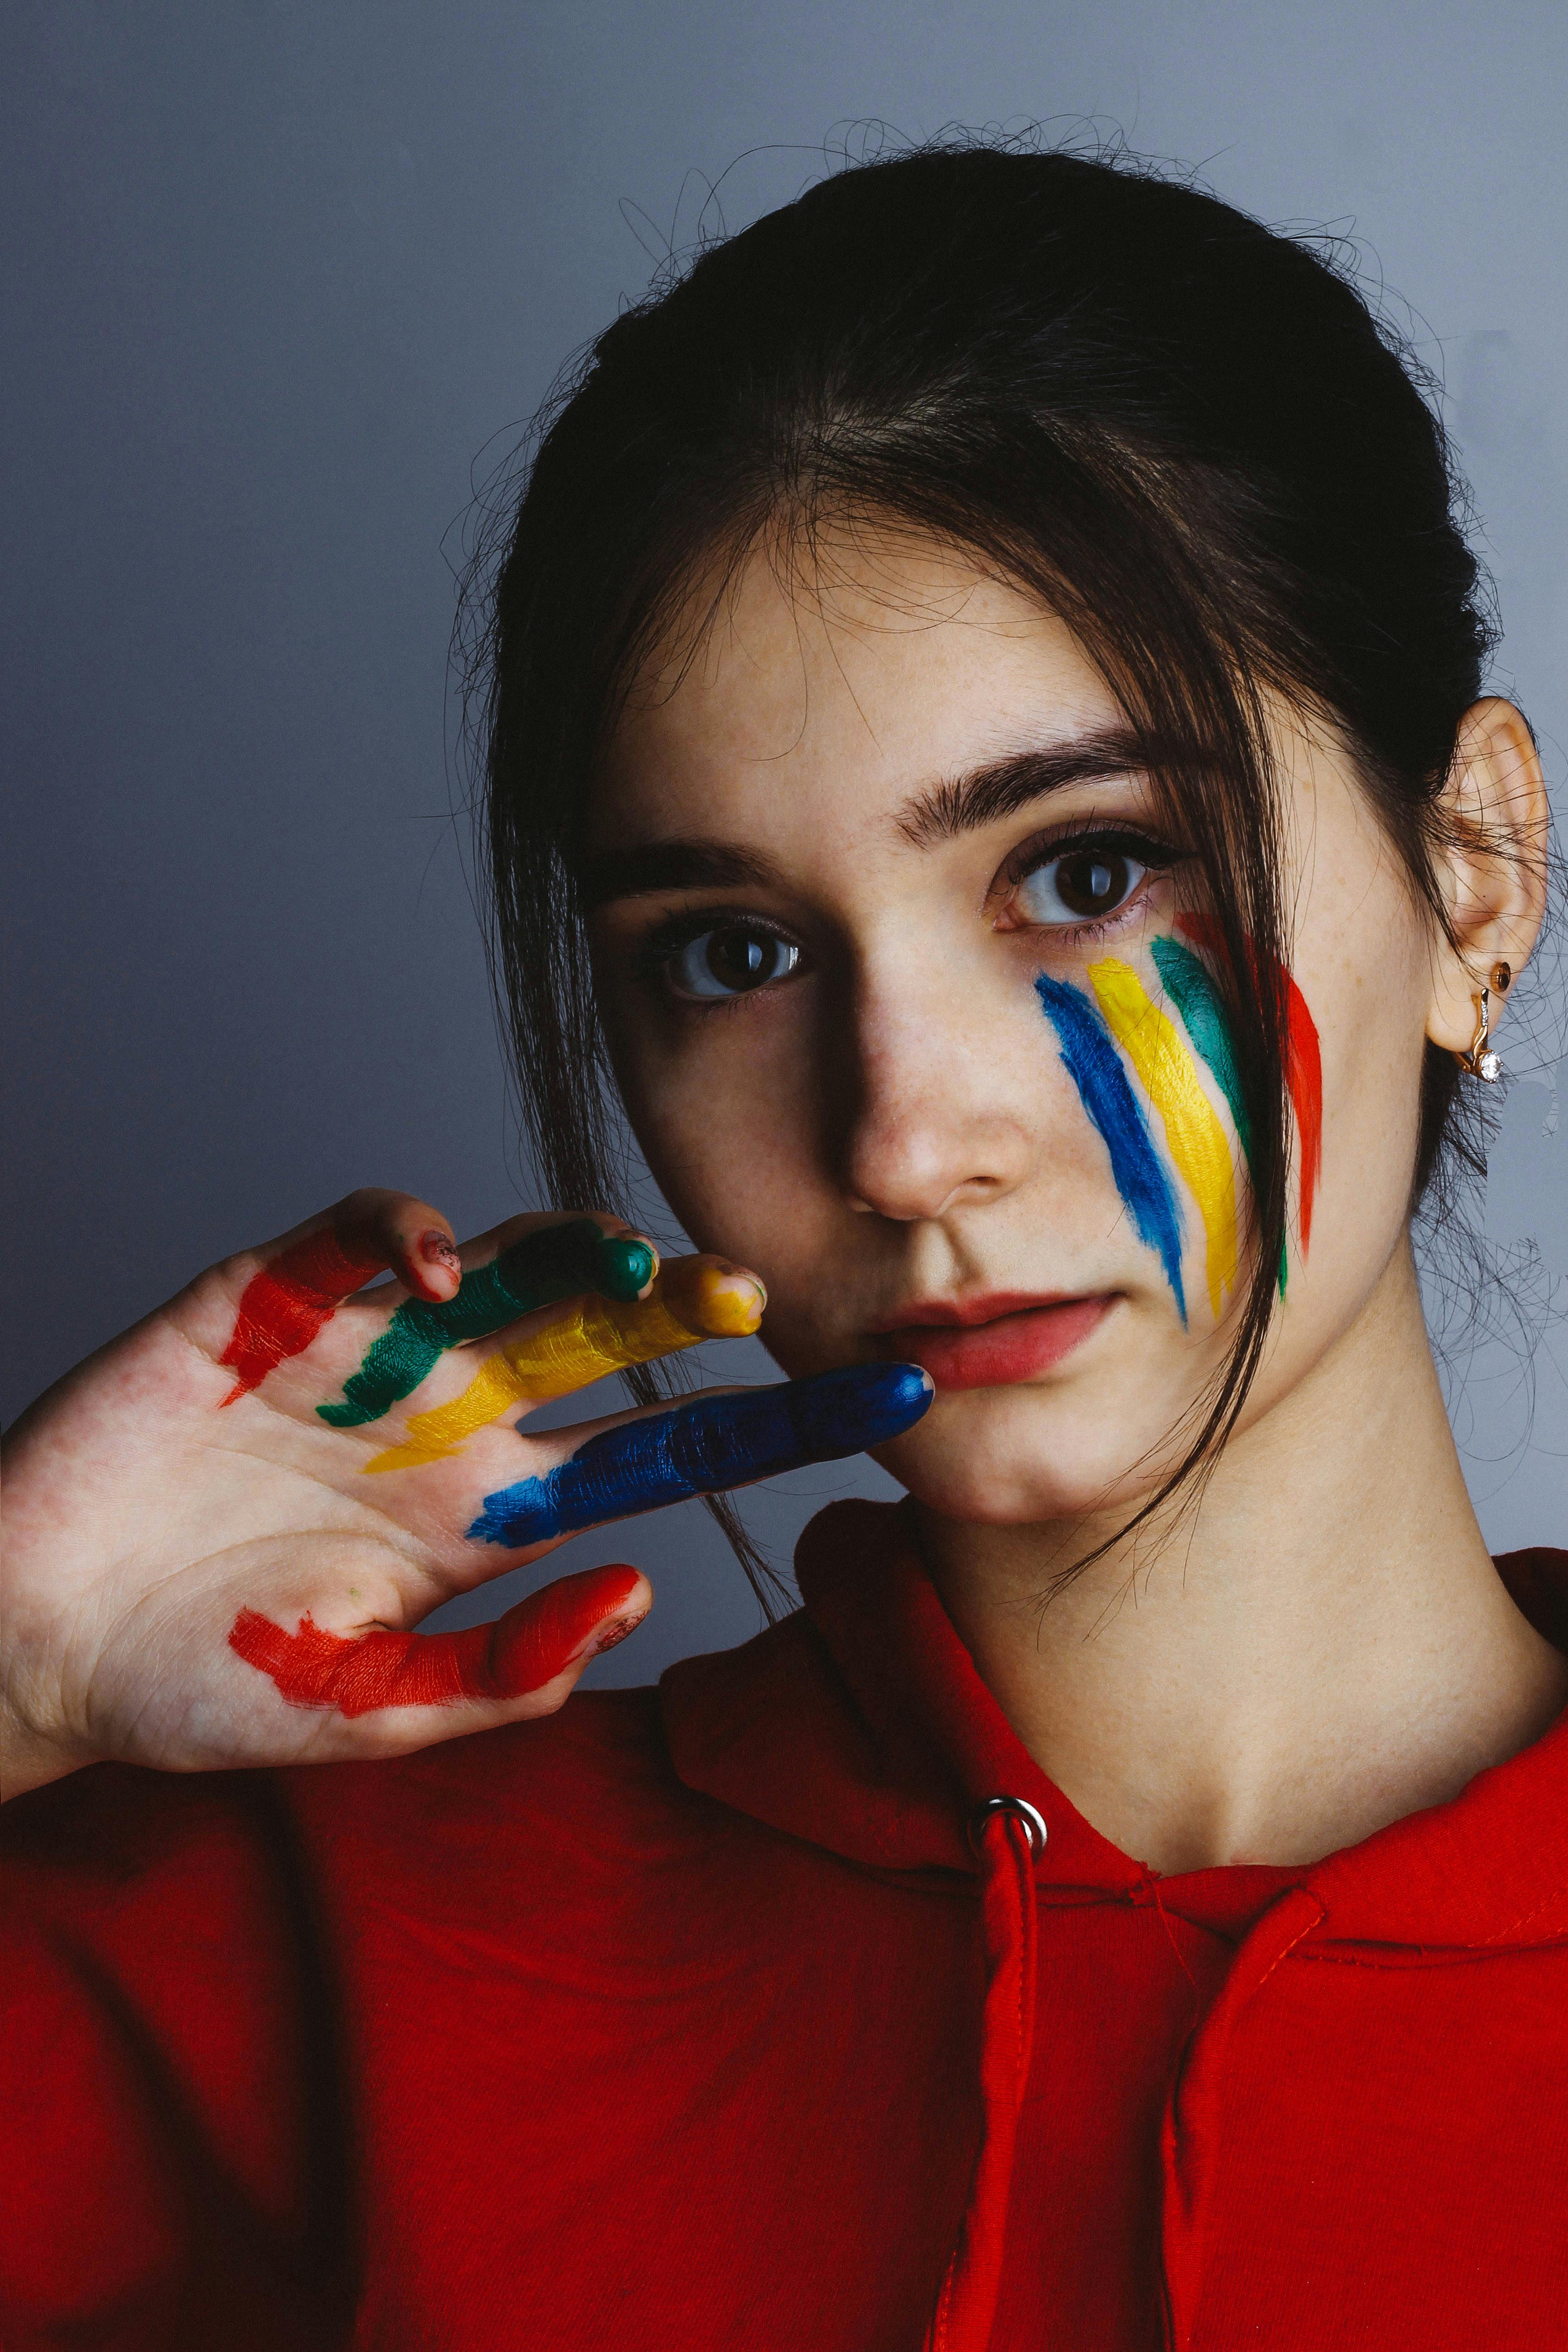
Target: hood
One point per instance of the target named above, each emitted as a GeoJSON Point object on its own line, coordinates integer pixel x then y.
{"type": "Point", "coordinates": [861, 1723]}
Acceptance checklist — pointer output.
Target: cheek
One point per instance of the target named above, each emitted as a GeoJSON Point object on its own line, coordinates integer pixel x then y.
{"type": "Point", "coordinates": [725, 1125]}
{"type": "Point", "coordinates": [1371, 1082]}
{"type": "Point", "coordinates": [1370, 999]}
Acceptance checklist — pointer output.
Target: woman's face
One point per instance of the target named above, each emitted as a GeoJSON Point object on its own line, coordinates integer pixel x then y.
{"type": "Point", "coordinates": [887, 935]}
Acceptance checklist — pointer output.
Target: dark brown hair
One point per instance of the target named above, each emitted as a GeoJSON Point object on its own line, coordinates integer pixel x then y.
{"type": "Point", "coordinates": [1186, 434]}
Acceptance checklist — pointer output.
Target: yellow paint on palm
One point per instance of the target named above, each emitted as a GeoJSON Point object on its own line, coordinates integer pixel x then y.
{"type": "Point", "coordinates": [1198, 1143]}
{"type": "Point", "coordinates": [569, 1347]}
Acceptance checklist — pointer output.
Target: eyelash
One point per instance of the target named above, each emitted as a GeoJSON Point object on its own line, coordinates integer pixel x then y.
{"type": "Point", "coordinates": [660, 948]}
{"type": "Point", "coordinates": [1156, 857]}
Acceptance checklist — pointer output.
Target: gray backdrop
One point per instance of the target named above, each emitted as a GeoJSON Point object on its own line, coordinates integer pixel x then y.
{"type": "Point", "coordinates": [276, 273]}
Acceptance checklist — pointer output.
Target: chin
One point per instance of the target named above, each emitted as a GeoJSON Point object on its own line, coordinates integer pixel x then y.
{"type": "Point", "coordinates": [1021, 1456]}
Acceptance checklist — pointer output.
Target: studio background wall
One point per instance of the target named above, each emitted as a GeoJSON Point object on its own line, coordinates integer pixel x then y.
{"type": "Point", "coordinates": [278, 276]}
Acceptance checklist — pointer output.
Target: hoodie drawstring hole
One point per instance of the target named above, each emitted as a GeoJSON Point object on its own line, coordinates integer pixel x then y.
{"type": "Point", "coordinates": [1021, 1810]}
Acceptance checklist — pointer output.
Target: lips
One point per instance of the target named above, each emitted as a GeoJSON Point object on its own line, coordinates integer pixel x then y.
{"type": "Point", "coordinates": [990, 1343]}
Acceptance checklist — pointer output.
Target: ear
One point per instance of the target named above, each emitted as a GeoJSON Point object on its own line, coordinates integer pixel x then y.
{"type": "Point", "coordinates": [1492, 868]}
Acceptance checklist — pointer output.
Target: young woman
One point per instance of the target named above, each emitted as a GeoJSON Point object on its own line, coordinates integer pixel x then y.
{"type": "Point", "coordinates": [986, 744]}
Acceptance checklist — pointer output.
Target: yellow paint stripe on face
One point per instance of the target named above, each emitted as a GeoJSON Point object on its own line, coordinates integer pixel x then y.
{"type": "Point", "coordinates": [1197, 1141]}
{"type": "Point", "coordinates": [692, 1299]}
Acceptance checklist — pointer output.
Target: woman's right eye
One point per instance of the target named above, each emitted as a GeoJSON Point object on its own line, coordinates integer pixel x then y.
{"type": "Point", "coordinates": [730, 960]}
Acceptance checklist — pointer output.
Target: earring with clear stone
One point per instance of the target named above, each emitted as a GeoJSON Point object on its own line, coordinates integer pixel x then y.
{"type": "Point", "coordinates": [1480, 1061]}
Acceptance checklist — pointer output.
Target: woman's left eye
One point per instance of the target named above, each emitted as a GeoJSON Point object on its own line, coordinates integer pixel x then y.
{"type": "Point", "coordinates": [1079, 885]}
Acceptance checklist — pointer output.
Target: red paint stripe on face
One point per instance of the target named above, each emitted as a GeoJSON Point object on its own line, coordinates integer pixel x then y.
{"type": "Point", "coordinates": [1304, 1074]}
{"type": "Point", "coordinates": [1303, 1064]}
{"type": "Point", "coordinates": [361, 1674]}
{"type": "Point", "coordinates": [283, 1307]}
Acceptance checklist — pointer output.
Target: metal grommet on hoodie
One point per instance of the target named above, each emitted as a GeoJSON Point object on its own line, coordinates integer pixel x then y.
{"type": "Point", "coordinates": [1021, 1810]}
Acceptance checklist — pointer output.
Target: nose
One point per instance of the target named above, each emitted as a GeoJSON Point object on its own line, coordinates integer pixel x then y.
{"type": "Point", "coordinates": [932, 1122]}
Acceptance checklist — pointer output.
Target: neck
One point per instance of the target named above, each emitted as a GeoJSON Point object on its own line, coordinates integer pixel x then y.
{"type": "Point", "coordinates": [1319, 1647]}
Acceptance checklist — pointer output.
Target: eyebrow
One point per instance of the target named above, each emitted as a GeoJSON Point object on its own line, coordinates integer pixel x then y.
{"type": "Point", "coordinates": [965, 803]}
{"type": "Point", "coordinates": [671, 866]}
{"type": "Point", "coordinates": [955, 805]}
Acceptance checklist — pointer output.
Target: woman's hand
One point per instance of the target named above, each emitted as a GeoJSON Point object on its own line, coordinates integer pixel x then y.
{"type": "Point", "coordinates": [224, 1527]}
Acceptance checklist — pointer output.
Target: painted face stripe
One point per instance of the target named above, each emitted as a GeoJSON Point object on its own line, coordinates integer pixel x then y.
{"type": "Point", "coordinates": [363, 1674]}
{"type": "Point", "coordinates": [1202, 1012]}
{"type": "Point", "coordinates": [553, 1263]}
{"type": "Point", "coordinates": [1187, 984]}
{"type": "Point", "coordinates": [591, 1339]}
{"type": "Point", "coordinates": [283, 1306]}
{"type": "Point", "coordinates": [706, 1447]}
{"type": "Point", "coordinates": [1095, 1068]}
{"type": "Point", "coordinates": [1303, 1065]}
{"type": "Point", "coordinates": [1198, 1143]}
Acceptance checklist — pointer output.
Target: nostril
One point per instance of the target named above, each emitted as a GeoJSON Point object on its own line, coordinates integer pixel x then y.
{"type": "Point", "coordinates": [907, 1206]}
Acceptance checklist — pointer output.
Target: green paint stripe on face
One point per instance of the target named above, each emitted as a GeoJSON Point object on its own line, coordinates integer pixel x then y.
{"type": "Point", "coordinates": [1196, 999]}
{"type": "Point", "coordinates": [1187, 984]}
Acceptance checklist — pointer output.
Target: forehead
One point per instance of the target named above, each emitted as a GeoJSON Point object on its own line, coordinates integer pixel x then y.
{"type": "Point", "coordinates": [819, 690]}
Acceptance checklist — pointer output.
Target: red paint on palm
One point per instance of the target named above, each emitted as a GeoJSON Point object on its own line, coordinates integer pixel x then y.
{"type": "Point", "coordinates": [360, 1673]}
{"type": "Point", "coordinates": [1303, 1062]}
{"type": "Point", "coordinates": [283, 1307]}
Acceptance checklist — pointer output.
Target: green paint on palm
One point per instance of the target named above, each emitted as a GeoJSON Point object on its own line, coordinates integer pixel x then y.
{"type": "Point", "coordinates": [1188, 985]}
{"type": "Point", "coordinates": [565, 1261]}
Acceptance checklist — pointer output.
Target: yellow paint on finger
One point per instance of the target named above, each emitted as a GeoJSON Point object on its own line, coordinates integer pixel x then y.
{"type": "Point", "coordinates": [1197, 1141]}
{"type": "Point", "coordinates": [570, 1347]}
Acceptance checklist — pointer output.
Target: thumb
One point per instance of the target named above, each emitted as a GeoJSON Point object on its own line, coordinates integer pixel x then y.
{"type": "Point", "coordinates": [538, 1648]}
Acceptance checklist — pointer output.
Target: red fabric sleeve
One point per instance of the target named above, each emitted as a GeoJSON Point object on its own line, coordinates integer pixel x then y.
{"type": "Point", "coordinates": [168, 2074]}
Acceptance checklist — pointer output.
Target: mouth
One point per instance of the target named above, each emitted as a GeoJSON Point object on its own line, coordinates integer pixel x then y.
{"type": "Point", "coordinates": [993, 1342]}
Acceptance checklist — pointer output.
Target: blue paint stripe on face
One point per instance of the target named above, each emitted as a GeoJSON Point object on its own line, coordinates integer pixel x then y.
{"type": "Point", "coordinates": [706, 1447]}
{"type": "Point", "coordinates": [1096, 1069]}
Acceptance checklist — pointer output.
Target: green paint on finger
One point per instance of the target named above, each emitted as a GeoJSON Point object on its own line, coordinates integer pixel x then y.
{"type": "Point", "coordinates": [565, 1261]}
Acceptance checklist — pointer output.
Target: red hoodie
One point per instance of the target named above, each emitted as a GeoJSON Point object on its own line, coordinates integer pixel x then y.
{"type": "Point", "coordinates": [726, 2014]}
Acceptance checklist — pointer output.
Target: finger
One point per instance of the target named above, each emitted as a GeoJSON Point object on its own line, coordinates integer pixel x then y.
{"type": "Point", "coordinates": [526, 1651]}
{"type": "Point", "coordinates": [692, 1299]}
{"type": "Point", "coordinates": [285, 1303]}
{"type": "Point", "coordinates": [546, 1264]}
{"type": "Point", "coordinates": [705, 1447]}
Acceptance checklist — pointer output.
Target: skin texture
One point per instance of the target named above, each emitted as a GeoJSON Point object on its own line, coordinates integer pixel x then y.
{"type": "Point", "coordinates": [1324, 1645]}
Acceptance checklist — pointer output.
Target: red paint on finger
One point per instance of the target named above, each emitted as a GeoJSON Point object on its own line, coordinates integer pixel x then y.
{"type": "Point", "coordinates": [363, 1673]}
{"type": "Point", "coordinates": [283, 1307]}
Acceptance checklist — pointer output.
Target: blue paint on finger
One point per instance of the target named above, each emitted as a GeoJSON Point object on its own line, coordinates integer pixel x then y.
{"type": "Point", "coordinates": [1095, 1067]}
{"type": "Point", "coordinates": [706, 1447]}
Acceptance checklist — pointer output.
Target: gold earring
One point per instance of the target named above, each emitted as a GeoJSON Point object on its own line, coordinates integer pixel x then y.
{"type": "Point", "coordinates": [1479, 1061]}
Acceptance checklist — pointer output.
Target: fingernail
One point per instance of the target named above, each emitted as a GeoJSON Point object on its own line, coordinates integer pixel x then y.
{"type": "Point", "coordinates": [439, 1249]}
{"type": "Point", "coordinates": [616, 1629]}
{"type": "Point", "coordinates": [627, 1266]}
{"type": "Point", "coordinates": [733, 1303]}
